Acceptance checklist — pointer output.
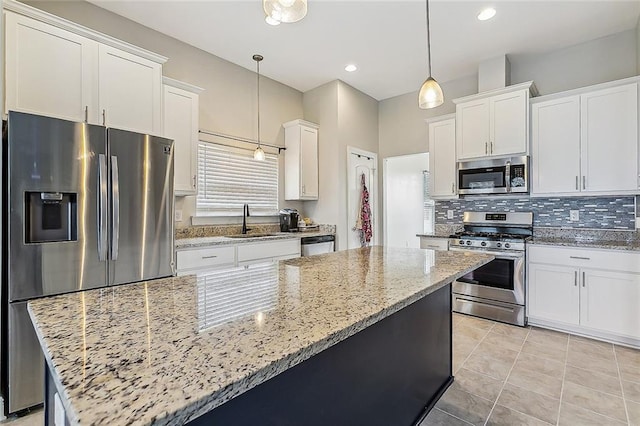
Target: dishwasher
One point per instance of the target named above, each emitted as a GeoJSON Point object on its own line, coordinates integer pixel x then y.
{"type": "Point", "coordinates": [317, 245]}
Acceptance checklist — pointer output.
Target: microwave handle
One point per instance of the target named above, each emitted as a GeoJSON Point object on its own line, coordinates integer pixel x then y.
{"type": "Point", "coordinates": [507, 176]}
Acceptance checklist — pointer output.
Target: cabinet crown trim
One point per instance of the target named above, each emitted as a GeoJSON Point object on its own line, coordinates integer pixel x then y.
{"type": "Point", "coordinates": [586, 89]}
{"type": "Point", "coordinates": [42, 16]}
{"type": "Point", "coordinates": [440, 118]}
{"type": "Point", "coordinates": [300, 123]}
{"type": "Point", "coordinates": [530, 85]}
{"type": "Point", "coordinates": [182, 85]}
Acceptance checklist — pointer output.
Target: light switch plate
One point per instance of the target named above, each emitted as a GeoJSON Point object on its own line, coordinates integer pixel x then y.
{"type": "Point", "coordinates": [449, 214]}
{"type": "Point", "coordinates": [574, 215]}
{"type": "Point", "coordinates": [178, 215]}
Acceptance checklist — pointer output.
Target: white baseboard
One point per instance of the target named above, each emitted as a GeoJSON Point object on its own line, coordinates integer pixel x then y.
{"type": "Point", "coordinates": [586, 332]}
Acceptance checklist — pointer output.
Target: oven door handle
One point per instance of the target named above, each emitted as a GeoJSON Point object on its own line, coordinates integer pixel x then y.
{"type": "Point", "coordinates": [497, 254]}
{"type": "Point", "coordinates": [463, 300]}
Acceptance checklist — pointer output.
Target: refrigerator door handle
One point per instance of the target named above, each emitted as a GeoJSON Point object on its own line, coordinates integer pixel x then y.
{"type": "Point", "coordinates": [102, 207]}
{"type": "Point", "coordinates": [115, 213]}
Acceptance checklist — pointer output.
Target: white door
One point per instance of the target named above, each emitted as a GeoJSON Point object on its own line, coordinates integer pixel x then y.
{"type": "Point", "coordinates": [472, 129]}
{"type": "Point", "coordinates": [508, 125]}
{"type": "Point", "coordinates": [442, 158]}
{"type": "Point", "coordinates": [181, 124]}
{"type": "Point", "coordinates": [609, 302]}
{"type": "Point", "coordinates": [554, 294]}
{"type": "Point", "coordinates": [309, 162]}
{"type": "Point", "coordinates": [404, 200]}
{"type": "Point", "coordinates": [49, 71]}
{"type": "Point", "coordinates": [130, 91]}
{"type": "Point", "coordinates": [361, 163]}
{"type": "Point", "coordinates": [610, 139]}
{"type": "Point", "coordinates": [556, 146]}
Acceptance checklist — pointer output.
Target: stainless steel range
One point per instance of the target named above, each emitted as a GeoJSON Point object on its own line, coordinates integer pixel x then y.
{"type": "Point", "coordinates": [496, 290]}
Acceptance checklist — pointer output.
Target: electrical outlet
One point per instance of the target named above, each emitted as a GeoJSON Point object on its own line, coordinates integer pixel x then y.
{"type": "Point", "coordinates": [449, 214]}
{"type": "Point", "coordinates": [574, 215]}
{"type": "Point", "coordinates": [178, 215]}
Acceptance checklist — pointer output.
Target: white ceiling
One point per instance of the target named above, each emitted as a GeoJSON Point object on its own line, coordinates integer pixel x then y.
{"type": "Point", "coordinates": [385, 39]}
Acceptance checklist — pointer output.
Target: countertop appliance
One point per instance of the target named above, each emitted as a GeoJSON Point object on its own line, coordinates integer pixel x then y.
{"type": "Point", "coordinates": [84, 206]}
{"type": "Point", "coordinates": [497, 289]}
{"type": "Point", "coordinates": [501, 176]}
{"type": "Point", "coordinates": [317, 245]}
{"type": "Point", "coordinates": [289, 220]}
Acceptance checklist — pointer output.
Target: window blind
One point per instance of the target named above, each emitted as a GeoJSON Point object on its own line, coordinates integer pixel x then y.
{"type": "Point", "coordinates": [230, 177]}
{"type": "Point", "coordinates": [429, 205]}
{"type": "Point", "coordinates": [231, 293]}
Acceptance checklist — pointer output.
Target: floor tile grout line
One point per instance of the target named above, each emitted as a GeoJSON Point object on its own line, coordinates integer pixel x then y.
{"type": "Point", "coordinates": [455, 417]}
{"type": "Point", "coordinates": [564, 376]}
{"type": "Point", "coordinates": [595, 412]}
{"type": "Point", "coordinates": [598, 390]}
{"type": "Point", "coordinates": [474, 348]}
{"type": "Point", "coordinates": [624, 400]}
{"type": "Point", "coordinates": [504, 383]}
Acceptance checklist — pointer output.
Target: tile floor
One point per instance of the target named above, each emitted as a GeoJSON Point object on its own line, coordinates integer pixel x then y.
{"type": "Point", "coordinates": [507, 375]}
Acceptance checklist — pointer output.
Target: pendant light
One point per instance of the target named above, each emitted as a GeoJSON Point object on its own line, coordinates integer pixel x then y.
{"type": "Point", "coordinates": [431, 94]}
{"type": "Point", "coordinates": [258, 154]}
{"type": "Point", "coordinates": [286, 11]}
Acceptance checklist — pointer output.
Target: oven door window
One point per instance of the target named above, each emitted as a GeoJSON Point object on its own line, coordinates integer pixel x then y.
{"type": "Point", "coordinates": [497, 274]}
{"type": "Point", "coordinates": [482, 178]}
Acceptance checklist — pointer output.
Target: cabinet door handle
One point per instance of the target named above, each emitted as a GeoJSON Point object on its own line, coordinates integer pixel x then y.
{"type": "Point", "coordinates": [453, 187]}
{"type": "Point", "coordinates": [583, 280]}
{"type": "Point", "coordinates": [104, 117]}
{"type": "Point", "coordinates": [575, 278]}
{"type": "Point", "coordinates": [304, 189]}
{"type": "Point", "coordinates": [577, 182]}
{"type": "Point", "coordinates": [86, 113]}
{"type": "Point", "coordinates": [486, 147]}
{"type": "Point", "coordinates": [584, 182]}
{"type": "Point", "coordinates": [209, 257]}
{"type": "Point", "coordinates": [580, 257]}
{"type": "Point", "coordinates": [194, 181]}
{"type": "Point", "coordinates": [491, 146]}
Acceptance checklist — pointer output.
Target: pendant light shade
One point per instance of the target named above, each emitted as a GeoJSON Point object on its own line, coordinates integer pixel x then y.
{"type": "Point", "coordinates": [286, 11]}
{"type": "Point", "coordinates": [258, 154]}
{"type": "Point", "coordinates": [431, 94]}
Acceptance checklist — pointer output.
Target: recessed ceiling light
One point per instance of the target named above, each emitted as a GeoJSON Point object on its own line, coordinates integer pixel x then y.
{"type": "Point", "coordinates": [350, 68]}
{"type": "Point", "coordinates": [271, 21]}
{"type": "Point", "coordinates": [487, 13]}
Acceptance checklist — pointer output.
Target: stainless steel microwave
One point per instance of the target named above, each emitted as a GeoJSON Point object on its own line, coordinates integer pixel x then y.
{"type": "Point", "coordinates": [500, 176]}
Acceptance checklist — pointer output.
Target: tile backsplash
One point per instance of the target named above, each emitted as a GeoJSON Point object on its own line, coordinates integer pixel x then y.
{"type": "Point", "coordinates": [595, 212]}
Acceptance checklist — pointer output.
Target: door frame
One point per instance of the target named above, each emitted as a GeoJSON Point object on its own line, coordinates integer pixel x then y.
{"type": "Point", "coordinates": [373, 191]}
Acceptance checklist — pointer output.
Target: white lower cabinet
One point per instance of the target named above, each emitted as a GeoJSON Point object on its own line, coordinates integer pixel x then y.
{"type": "Point", "coordinates": [193, 260]}
{"type": "Point", "coordinates": [590, 292]}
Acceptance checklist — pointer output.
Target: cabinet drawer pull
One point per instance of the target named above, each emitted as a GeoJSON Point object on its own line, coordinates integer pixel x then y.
{"type": "Point", "coordinates": [579, 257]}
{"type": "Point", "coordinates": [209, 257]}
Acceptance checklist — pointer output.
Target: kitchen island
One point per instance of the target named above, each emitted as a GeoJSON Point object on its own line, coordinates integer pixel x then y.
{"type": "Point", "coordinates": [352, 337]}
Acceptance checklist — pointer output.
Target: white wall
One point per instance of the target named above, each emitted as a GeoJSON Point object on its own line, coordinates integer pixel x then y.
{"type": "Point", "coordinates": [638, 47]}
{"type": "Point", "coordinates": [228, 104]}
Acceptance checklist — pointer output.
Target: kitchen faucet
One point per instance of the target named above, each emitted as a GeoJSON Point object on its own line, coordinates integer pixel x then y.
{"type": "Point", "coordinates": [245, 215]}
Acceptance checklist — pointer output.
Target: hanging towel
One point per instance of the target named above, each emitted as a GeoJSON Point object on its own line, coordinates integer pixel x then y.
{"type": "Point", "coordinates": [364, 216]}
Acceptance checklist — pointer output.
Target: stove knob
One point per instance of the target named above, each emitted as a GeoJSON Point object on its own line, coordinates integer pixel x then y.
{"type": "Point", "coordinates": [499, 245]}
{"type": "Point", "coordinates": [461, 242]}
{"type": "Point", "coordinates": [507, 245]}
{"type": "Point", "coordinates": [469, 242]}
{"type": "Point", "coordinates": [483, 243]}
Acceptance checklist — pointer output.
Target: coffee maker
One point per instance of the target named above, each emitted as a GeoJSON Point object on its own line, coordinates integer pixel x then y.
{"type": "Point", "coordinates": [289, 220]}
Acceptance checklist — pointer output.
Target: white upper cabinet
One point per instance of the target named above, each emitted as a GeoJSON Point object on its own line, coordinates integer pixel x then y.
{"type": "Point", "coordinates": [555, 148]}
{"type": "Point", "coordinates": [493, 124]}
{"type": "Point", "coordinates": [48, 69]}
{"type": "Point", "coordinates": [60, 69]}
{"type": "Point", "coordinates": [301, 160]}
{"type": "Point", "coordinates": [586, 143]}
{"type": "Point", "coordinates": [180, 121]}
{"type": "Point", "coordinates": [442, 158]}
{"type": "Point", "coordinates": [130, 91]}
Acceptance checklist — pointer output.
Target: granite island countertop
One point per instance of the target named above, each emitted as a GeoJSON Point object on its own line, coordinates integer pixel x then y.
{"type": "Point", "coordinates": [186, 243]}
{"type": "Point", "coordinates": [147, 353]}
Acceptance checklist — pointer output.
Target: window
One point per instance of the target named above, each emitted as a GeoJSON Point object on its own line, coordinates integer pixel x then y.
{"type": "Point", "coordinates": [429, 206]}
{"type": "Point", "coordinates": [230, 177]}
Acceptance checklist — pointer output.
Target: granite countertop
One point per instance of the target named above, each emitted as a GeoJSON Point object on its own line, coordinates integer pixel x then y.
{"type": "Point", "coordinates": [184, 243]}
{"type": "Point", "coordinates": [594, 244]}
{"type": "Point", "coordinates": [161, 352]}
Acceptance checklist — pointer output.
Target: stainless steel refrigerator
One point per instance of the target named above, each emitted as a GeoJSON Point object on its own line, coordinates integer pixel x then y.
{"type": "Point", "coordinates": [84, 206]}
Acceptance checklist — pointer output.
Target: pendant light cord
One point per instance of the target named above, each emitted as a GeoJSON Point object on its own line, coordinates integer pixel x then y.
{"type": "Point", "coordinates": [428, 38]}
{"type": "Point", "coordinates": [258, 78]}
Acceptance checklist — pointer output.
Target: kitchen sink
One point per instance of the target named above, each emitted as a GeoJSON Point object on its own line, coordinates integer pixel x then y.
{"type": "Point", "coordinates": [250, 235]}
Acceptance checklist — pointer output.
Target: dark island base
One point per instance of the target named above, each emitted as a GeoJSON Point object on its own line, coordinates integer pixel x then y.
{"type": "Point", "coordinates": [391, 373]}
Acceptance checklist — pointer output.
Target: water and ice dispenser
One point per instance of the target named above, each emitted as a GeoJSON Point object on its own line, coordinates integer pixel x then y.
{"type": "Point", "coordinates": [51, 217]}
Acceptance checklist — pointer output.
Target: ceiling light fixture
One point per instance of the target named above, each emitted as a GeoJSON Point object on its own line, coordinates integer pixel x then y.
{"type": "Point", "coordinates": [271, 21]}
{"type": "Point", "coordinates": [431, 94]}
{"type": "Point", "coordinates": [350, 68]}
{"type": "Point", "coordinates": [487, 13]}
{"type": "Point", "coordinates": [258, 154]}
{"type": "Point", "coordinates": [286, 11]}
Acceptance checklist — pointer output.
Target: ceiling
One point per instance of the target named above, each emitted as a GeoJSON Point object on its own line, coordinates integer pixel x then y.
{"type": "Point", "coordinates": [385, 39]}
